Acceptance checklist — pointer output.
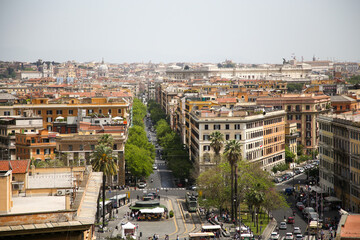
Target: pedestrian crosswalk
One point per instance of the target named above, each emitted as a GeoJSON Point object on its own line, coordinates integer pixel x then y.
{"type": "Point", "coordinates": [154, 189]}
{"type": "Point", "coordinates": [305, 237]}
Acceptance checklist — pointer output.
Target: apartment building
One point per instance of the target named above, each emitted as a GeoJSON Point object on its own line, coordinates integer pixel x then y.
{"type": "Point", "coordinates": [291, 135]}
{"type": "Point", "coordinates": [339, 152]}
{"type": "Point", "coordinates": [76, 149]}
{"type": "Point", "coordinates": [303, 110]}
{"type": "Point", "coordinates": [9, 126]}
{"type": "Point", "coordinates": [261, 132]}
{"type": "Point", "coordinates": [75, 107]}
{"type": "Point", "coordinates": [39, 145]}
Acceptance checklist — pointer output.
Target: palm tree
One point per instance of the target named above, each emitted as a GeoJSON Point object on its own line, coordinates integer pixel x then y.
{"type": "Point", "coordinates": [102, 160]}
{"type": "Point", "coordinates": [106, 139]}
{"type": "Point", "coordinates": [217, 139]}
{"type": "Point", "coordinates": [233, 154]}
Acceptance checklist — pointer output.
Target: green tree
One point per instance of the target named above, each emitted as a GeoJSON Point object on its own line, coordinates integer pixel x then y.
{"type": "Point", "coordinates": [294, 87]}
{"type": "Point", "coordinates": [233, 155]}
{"type": "Point", "coordinates": [289, 156]}
{"type": "Point", "coordinates": [217, 139]}
{"type": "Point", "coordinates": [138, 161]}
{"type": "Point", "coordinates": [102, 160]}
{"type": "Point", "coordinates": [300, 149]}
{"type": "Point", "coordinates": [107, 140]}
{"type": "Point", "coordinates": [214, 185]}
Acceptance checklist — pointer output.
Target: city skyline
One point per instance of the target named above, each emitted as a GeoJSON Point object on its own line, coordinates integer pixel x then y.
{"type": "Point", "coordinates": [179, 31]}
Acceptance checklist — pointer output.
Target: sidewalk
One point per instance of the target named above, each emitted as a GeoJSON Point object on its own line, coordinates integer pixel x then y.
{"type": "Point", "coordinates": [269, 229]}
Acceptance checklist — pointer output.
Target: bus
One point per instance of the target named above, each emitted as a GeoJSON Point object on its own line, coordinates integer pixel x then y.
{"type": "Point", "coordinates": [201, 236]}
{"type": "Point", "coordinates": [192, 201]}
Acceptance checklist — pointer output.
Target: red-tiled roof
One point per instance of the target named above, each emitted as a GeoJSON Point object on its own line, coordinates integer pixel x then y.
{"type": "Point", "coordinates": [351, 228]}
{"type": "Point", "coordinates": [17, 166]}
{"type": "Point", "coordinates": [226, 100]}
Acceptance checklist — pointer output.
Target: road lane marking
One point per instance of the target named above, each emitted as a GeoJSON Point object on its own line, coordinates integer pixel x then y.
{"type": "Point", "coordinates": [176, 226]}
{"type": "Point", "coordinates": [182, 215]}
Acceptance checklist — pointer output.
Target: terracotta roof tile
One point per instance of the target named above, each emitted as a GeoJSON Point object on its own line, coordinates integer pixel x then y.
{"type": "Point", "coordinates": [351, 229]}
{"type": "Point", "coordinates": [17, 166]}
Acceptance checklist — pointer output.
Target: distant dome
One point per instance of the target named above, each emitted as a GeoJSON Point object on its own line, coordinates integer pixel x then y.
{"type": "Point", "coordinates": [103, 67]}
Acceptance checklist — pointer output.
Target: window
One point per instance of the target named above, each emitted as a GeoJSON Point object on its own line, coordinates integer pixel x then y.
{"type": "Point", "coordinates": [7, 113]}
{"type": "Point", "coordinates": [289, 108]}
{"type": "Point", "coordinates": [308, 117]}
{"type": "Point", "coordinates": [206, 148]}
{"type": "Point", "coordinates": [46, 140]}
{"type": "Point", "coordinates": [307, 107]}
{"type": "Point", "coordinates": [206, 127]}
{"type": "Point", "coordinates": [46, 151]}
{"type": "Point", "coordinates": [39, 112]}
{"type": "Point", "coordinates": [227, 136]}
{"type": "Point", "coordinates": [216, 126]}
{"type": "Point", "coordinates": [298, 125]}
{"type": "Point", "coordinates": [205, 137]}
{"type": "Point", "coordinates": [100, 111]}
{"type": "Point", "coordinates": [119, 110]}
{"type": "Point", "coordinates": [237, 126]}
{"type": "Point", "coordinates": [289, 117]}
{"type": "Point", "coordinates": [37, 151]}
{"type": "Point", "coordinates": [227, 126]}
{"type": "Point", "coordinates": [81, 147]}
{"type": "Point", "coordinates": [298, 117]}
{"type": "Point", "coordinates": [92, 147]}
{"type": "Point", "coordinates": [90, 111]}
{"type": "Point", "coordinates": [308, 125]}
{"type": "Point", "coordinates": [298, 108]}
{"type": "Point", "coordinates": [237, 136]}
{"type": "Point", "coordinates": [115, 147]}
{"type": "Point", "coordinates": [340, 107]}
{"type": "Point", "coordinates": [70, 147]}
{"type": "Point", "coordinates": [71, 112]}
{"type": "Point", "coordinates": [49, 119]}
{"type": "Point", "coordinates": [58, 112]}
{"type": "Point", "coordinates": [308, 143]}
{"type": "Point", "coordinates": [49, 112]}
{"type": "Point", "coordinates": [109, 111]}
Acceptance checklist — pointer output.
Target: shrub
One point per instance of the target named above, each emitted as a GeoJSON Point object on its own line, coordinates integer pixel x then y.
{"type": "Point", "coordinates": [171, 213]}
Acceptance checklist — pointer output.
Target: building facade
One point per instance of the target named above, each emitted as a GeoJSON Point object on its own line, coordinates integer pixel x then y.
{"type": "Point", "coordinates": [260, 132]}
{"type": "Point", "coordinates": [303, 110]}
{"type": "Point", "coordinates": [339, 152]}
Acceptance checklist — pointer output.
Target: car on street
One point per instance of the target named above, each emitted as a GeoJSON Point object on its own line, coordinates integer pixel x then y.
{"type": "Point", "coordinates": [313, 216]}
{"type": "Point", "coordinates": [291, 220]}
{"type": "Point", "coordinates": [283, 225]}
{"type": "Point", "coordinates": [141, 185]}
{"type": "Point", "coordinates": [278, 180]}
{"type": "Point", "coordinates": [300, 206]}
{"type": "Point", "coordinates": [289, 236]}
{"type": "Point", "coordinates": [299, 237]}
{"type": "Point", "coordinates": [307, 210]}
{"type": "Point", "coordinates": [297, 230]}
{"type": "Point", "coordinates": [274, 236]}
{"type": "Point", "coordinates": [155, 167]}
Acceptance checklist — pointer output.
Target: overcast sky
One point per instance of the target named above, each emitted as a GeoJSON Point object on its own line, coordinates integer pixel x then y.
{"type": "Point", "coordinates": [179, 31]}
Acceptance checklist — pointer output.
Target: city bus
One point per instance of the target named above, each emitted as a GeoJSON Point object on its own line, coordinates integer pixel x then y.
{"type": "Point", "coordinates": [201, 236]}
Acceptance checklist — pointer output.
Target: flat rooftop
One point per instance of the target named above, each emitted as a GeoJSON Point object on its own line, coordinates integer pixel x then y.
{"type": "Point", "coordinates": [37, 204]}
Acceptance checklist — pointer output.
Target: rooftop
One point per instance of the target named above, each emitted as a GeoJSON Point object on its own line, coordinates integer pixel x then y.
{"type": "Point", "coordinates": [37, 204]}
{"type": "Point", "coordinates": [351, 228]}
{"type": "Point", "coordinates": [17, 166]}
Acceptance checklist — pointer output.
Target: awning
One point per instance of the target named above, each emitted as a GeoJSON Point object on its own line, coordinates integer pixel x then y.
{"type": "Point", "coordinates": [332, 199]}
{"type": "Point", "coordinates": [153, 210]}
{"type": "Point", "coordinates": [317, 189]}
{"type": "Point", "coordinates": [118, 197]}
{"type": "Point", "coordinates": [128, 225]}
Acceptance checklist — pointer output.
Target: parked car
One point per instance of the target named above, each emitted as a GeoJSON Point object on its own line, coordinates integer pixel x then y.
{"type": "Point", "coordinates": [283, 225]}
{"type": "Point", "coordinates": [289, 236]}
{"type": "Point", "coordinates": [300, 169]}
{"type": "Point", "coordinates": [274, 236]}
{"type": "Point", "coordinates": [297, 230]}
{"type": "Point", "coordinates": [289, 191]}
{"type": "Point", "coordinates": [155, 167]}
{"type": "Point", "coordinates": [278, 180]}
{"type": "Point", "coordinates": [300, 206]}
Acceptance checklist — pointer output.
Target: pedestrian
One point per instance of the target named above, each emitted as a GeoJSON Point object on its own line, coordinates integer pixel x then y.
{"type": "Point", "coordinates": [177, 237]}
